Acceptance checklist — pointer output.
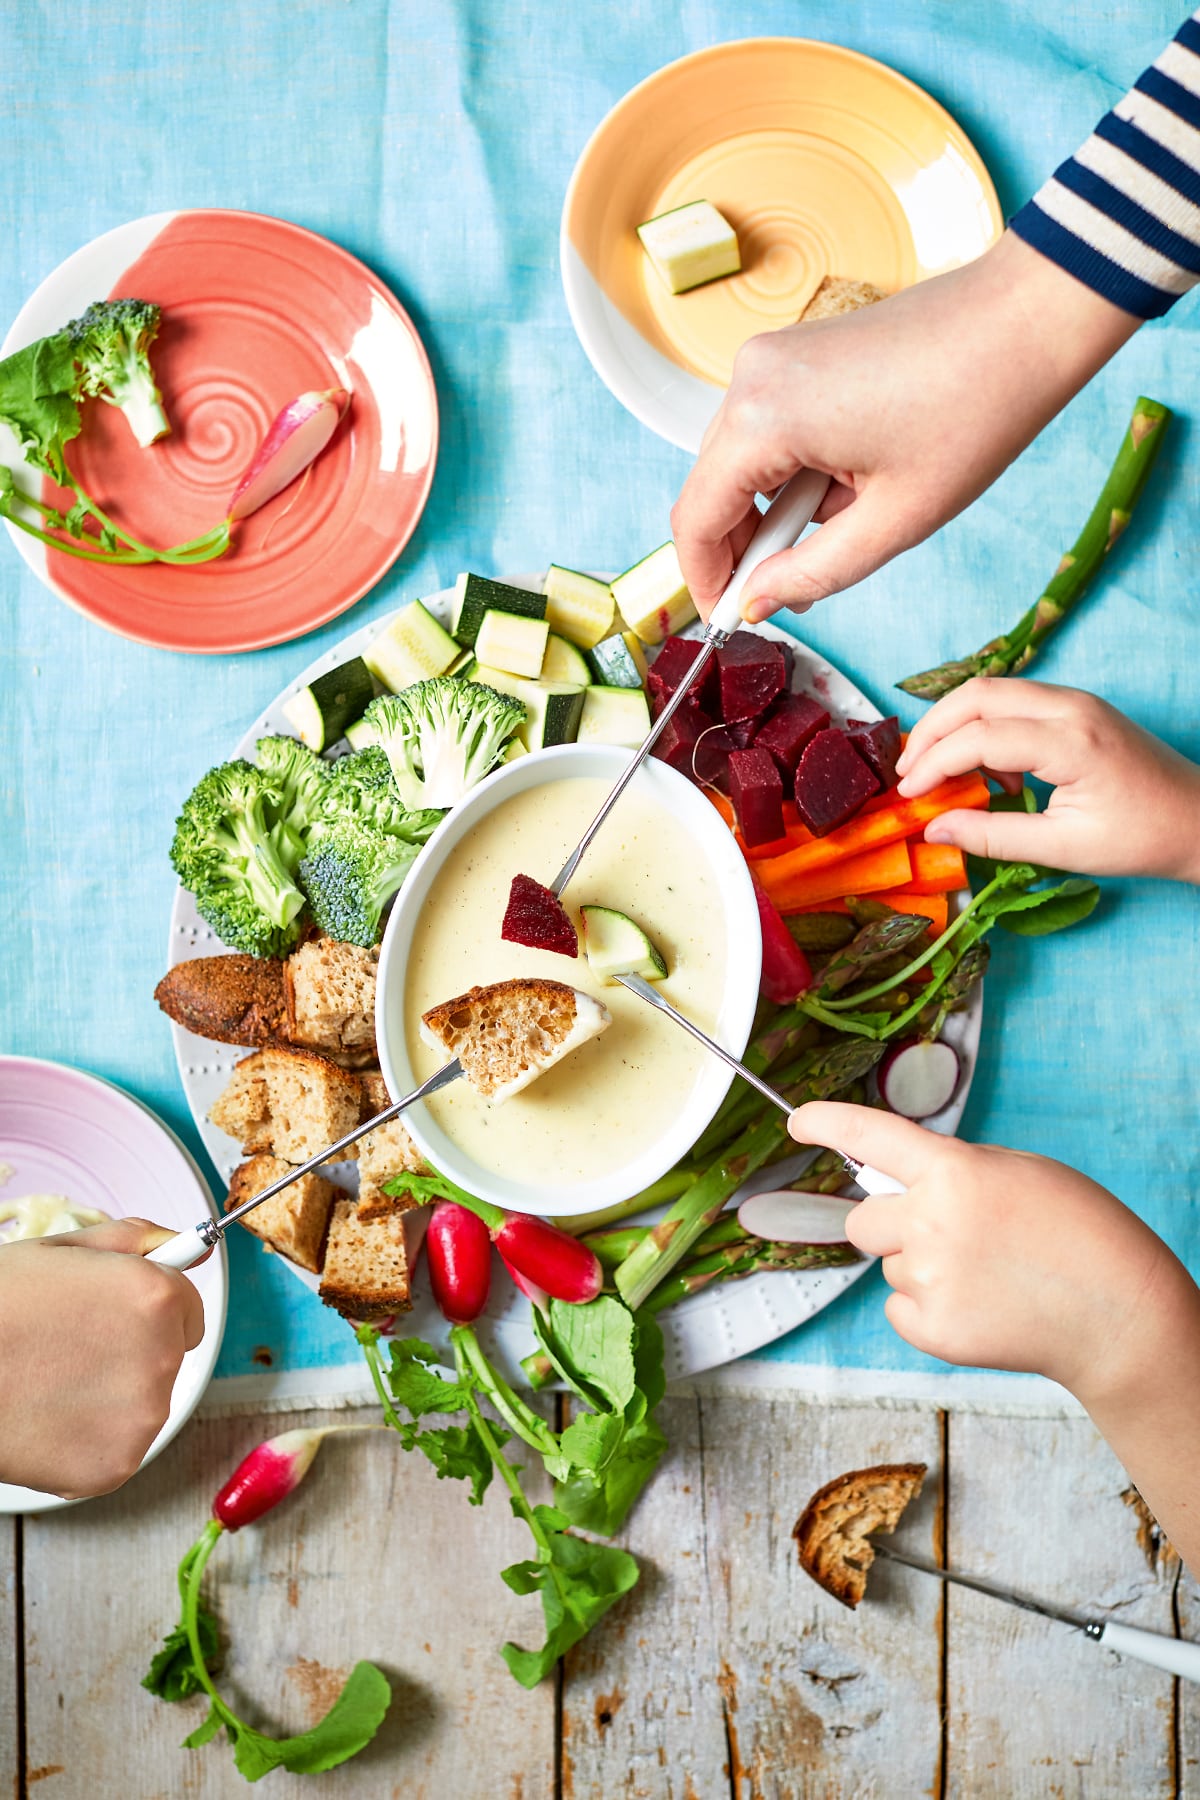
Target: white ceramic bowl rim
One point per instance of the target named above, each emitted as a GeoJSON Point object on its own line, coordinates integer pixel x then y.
{"type": "Point", "coordinates": [743, 952]}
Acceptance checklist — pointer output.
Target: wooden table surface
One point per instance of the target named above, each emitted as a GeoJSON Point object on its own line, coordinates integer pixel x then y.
{"type": "Point", "coordinates": [726, 1672]}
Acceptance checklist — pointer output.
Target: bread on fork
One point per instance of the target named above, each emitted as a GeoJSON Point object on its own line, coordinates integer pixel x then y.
{"type": "Point", "coordinates": [507, 1034]}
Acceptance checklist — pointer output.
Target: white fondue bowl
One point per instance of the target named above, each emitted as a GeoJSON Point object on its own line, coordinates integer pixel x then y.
{"type": "Point", "coordinates": [736, 925]}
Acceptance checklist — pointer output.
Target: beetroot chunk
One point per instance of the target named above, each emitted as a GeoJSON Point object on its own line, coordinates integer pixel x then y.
{"type": "Point", "coordinates": [756, 789]}
{"type": "Point", "coordinates": [832, 781]}
{"type": "Point", "coordinates": [791, 724]}
{"type": "Point", "coordinates": [696, 746]}
{"type": "Point", "coordinates": [670, 669]}
{"type": "Point", "coordinates": [537, 918]}
{"type": "Point", "coordinates": [752, 672]}
{"type": "Point", "coordinates": [879, 744]}
{"type": "Point", "coordinates": [743, 732]}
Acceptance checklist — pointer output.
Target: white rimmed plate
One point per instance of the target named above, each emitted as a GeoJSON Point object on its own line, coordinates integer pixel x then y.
{"type": "Point", "coordinates": [713, 1327]}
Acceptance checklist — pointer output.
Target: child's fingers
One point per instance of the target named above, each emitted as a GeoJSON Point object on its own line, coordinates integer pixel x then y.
{"type": "Point", "coordinates": [1013, 745]}
{"type": "Point", "coordinates": [985, 697]}
{"type": "Point", "coordinates": [129, 1237]}
{"type": "Point", "coordinates": [903, 1314]}
{"type": "Point", "coordinates": [1005, 837]}
{"type": "Point", "coordinates": [890, 1144]}
{"type": "Point", "coordinates": [876, 1226]}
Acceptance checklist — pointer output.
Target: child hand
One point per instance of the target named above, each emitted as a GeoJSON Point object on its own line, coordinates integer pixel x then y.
{"type": "Point", "coordinates": [1004, 1260]}
{"type": "Point", "coordinates": [91, 1339]}
{"type": "Point", "coordinates": [1123, 802]}
{"type": "Point", "coordinates": [913, 406]}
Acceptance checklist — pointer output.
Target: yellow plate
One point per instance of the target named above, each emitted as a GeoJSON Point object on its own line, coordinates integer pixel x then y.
{"type": "Point", "coordinates": [826, 163]}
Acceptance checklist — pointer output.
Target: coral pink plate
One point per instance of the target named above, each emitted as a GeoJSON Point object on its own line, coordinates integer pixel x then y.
{"type": "Point", "coordinates": [255, 312]}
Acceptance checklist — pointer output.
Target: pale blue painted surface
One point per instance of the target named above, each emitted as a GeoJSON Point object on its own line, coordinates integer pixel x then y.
{"type": "Point", "coordinates": [435, 143]}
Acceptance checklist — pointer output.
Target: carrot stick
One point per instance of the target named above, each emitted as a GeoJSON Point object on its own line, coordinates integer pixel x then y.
{"type": "Point", "coordinates": [935, 907]}
{"type": "Point", "coordinates": [886, 867]}
{"type": "Point", "coordinates": [871, 831]}
{"type": "Point", "coordinates": [936, 868]}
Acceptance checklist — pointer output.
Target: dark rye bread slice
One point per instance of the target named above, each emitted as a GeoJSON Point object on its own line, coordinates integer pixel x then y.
{"type": "Point", "coordinates": [507, 1034]}
{"type": "Point", "coordinates": [232, 999]}
{"type": "Point", "coordinates": [833, 1532]}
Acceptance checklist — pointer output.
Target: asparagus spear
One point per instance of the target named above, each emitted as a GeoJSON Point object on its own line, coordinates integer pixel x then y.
{"type": "Point", "coordinates": [732, 1263]}
{"type": "Point", "coordinates": [830, 1070]}
{"type": "Point", "coordinates": [614, 1245]}
{"type": "Point", "coordinates": [1009, 654]}
{"type": "Point", "coordinates": [874, 944]}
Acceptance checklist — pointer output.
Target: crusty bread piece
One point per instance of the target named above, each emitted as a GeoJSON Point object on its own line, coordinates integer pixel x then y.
{"type": "Point", "coordinates": [373, 1201]}
{"type": "Point", "coordinates": [833, 1532]}
{"type": "Point", "coordinates": [309, 1103]}
{"type": "Point", "coordinates": [837, 294]}
{"type": "Point", "coordinates": [294, 1222]}
{"type": "Point", "coordinates": [235, 999]}
{"type": "Point", "coordinates": [387, 1151]}
{"type": "Point", "coordinates": [508, 1034]}
{"type": "Point", "coordinates": [243, 1108]}
{"type": "Point", "coordinates": [329, 990]}
{"type": "Point", "coordinates": [366, 1264]}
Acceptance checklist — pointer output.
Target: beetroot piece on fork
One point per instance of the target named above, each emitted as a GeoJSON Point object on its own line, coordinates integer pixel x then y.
{"type": "Point", "coordinates": [537, 918]}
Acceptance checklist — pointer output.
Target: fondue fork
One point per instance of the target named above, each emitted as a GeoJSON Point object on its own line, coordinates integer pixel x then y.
{"type": "Point", "coordinates": [872, 1181]}
{"type": "Point", "coordinates": [187, 1247]}
{"type": "Point", "coordinates": [778, 529]}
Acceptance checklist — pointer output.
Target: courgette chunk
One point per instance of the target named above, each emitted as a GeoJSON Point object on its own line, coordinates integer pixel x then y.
{"type": "Point", "coordinates": [563, 662]}
{"type": "Point", "coordinates": [579, 607]}
{"type": "Point", "coordinates": [691, 245]}
{"type": "Point", "coordinates": [653, 597]}
{"type": "Point", "coordinates": [517, 645]}
{"type": "Point", "coordinates": [322, 711]}
{"type": "Point", "coordinates": [613, 715]}
{"type": "Point", "coordinates": [615, 945]}
{"type": "Point", "coordinates": [618, 661]}
{"type": "Point", "coordinates": [552, 708]}
{"type": "Point", "coordinates": [411, 647]}
{"type": "Point", "coordinates": [475, 595]}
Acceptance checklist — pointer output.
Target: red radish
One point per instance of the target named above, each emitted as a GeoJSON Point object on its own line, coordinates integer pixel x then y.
{"type": "Point", "coordinates": [530, 1289]}
{"type": "Point", "coordinates": [458, 1249]}
{"type": "Point", "coordinates": [267, 1476]}
{"type": "Point", "coordinates": [785, 968]}
{"type": "Point", "coordinates": [295, 438]}
{"type": "Point", "coordinates": [786, 1217]}
{"type": "Point", "coordinates": [918, 1078]}
{"type": "Point", "coordinates": [549, 1258]}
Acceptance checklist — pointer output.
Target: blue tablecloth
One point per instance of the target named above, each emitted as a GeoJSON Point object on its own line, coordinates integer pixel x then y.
{"type": "Point", "coordinates": [436, 143]}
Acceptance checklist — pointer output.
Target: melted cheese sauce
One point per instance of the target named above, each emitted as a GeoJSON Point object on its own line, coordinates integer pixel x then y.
{"type": "Point", "coordinates": [608, 1101]}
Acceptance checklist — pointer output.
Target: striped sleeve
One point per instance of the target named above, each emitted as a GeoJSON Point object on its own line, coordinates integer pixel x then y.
{"type": "Point", "coordinates": [1123, 213]}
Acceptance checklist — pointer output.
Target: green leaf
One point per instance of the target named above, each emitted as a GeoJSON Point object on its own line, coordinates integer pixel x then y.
{"type": "Point", "coordinates": [74, 520]}
{"type": "Point", "coordinates": [1052, 909]}
{"type": "Point", "coordinates": [578, 1585]}
{"type": "Point", "coordinates": [416, 1384]}
{"type": "Point", "coordinates": [456, 1451]}
{"type": "Point", "coordinates": [172, 1674]}
{"type": "Point", "coordinates": [37, 402]}
{"type": "Point", "coordinates": [591, 1440]}
{"type": "Point", "coordinates": [204, 1733]}
{"type": "Point", "coordinates": [603, 1503]}
{"type": "Point", "coordinates": [347, 1727]}
{"type": "Point", "coordinates": [649, 1359]}
{"type": "Point", "coordinates": [593, 1345]}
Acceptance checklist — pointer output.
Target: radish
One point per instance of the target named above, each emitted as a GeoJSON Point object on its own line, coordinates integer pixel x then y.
{"type": "Point", "coordinates": [269, 1474]}
{"type": "Point", "coordinates": [458, 1249]}
{"type": "Point", "coordinates": [548, 1259]}
{"type": "Point", "coordinates": [787, 1217]}
{"type": "Point", "coordinates": [785, 968]}
{"type": "Point", "coordinates": [295, 439]}
{"type": "Point", "coordinates": [539, 1297]}
{"type": "Point", "coordinates": [918, 1078]}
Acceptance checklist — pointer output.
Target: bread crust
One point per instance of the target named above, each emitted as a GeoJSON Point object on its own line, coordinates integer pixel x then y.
{"type": "Point", "coordinates": [232, 999]}
{"type": "Point", "coordinates": [833, 1532]}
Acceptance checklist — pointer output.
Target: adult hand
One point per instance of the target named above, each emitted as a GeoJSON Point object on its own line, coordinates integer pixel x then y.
{"type": "Point", "coordinates": [914, 406]}
{"type": "Point", "coordinates": [91, 1339]}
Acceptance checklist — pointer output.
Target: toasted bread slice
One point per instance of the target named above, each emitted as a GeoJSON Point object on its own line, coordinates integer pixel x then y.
{"type": "Point", "coordinates": [836, 295]}
{"type": "Point", "coordinates": [833, 1532]}
{"type": "Point", "coordinates": [329, 989]}
{"type": "Point", "coordinates": [291, 1102]}
{"type": "Point", "coordinates": [366, 1264]}
{"type": "Point", "coordinates": [235, 999]}
{"type": "Point", "coordinates": [508, 1034]}
{"type": "Point", "coordinates": [243, 1108]}
{"type": "Point", "coordinates": [294, 1222]}
{"type": "Point", "coordinates": [387, 1151]}
{"type": "Point", "coordinates": [373, 1202]}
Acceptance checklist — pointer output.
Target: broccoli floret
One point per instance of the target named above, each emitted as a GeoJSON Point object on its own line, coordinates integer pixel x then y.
{"type": "Point", "coordinates": [443, 736]}
{"type": "Point", "coordinates": [351, 871]}
{"type": "Point", "coordinates": [111, 345]}
{"type": "Point", "coordinates": [236, 862]}
{"type": "Point", "coordinates": [361, 786]}
{"type": "Point", "coordinates": [301, 778]}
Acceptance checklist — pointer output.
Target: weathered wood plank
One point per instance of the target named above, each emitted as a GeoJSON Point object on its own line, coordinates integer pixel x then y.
{"type": "Point", "coordinates": [373, 1557]}
{"type": "Point", "coordinates": [1035, 1708]}
{"type": "Point", "coordinates": [1187, 1609]}
{"type": "Point", "coordinates": [9, 1660]}
{"type": "Point", "coordinates": [728, 1671]}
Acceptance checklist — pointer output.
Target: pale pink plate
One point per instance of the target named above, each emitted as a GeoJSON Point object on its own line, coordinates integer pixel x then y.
{"type": "Point", "coordinates": [63, 1131]}
{"type": "Point", "coordinates": [255, 312]}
